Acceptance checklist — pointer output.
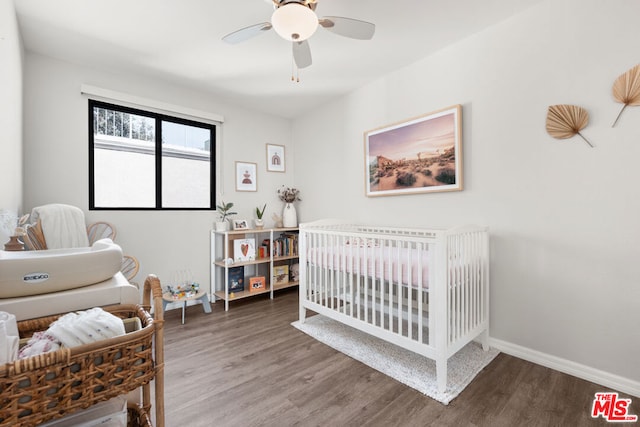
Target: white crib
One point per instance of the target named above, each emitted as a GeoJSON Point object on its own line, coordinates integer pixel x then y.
{"type": "Point", "coordinates": [426, 290]}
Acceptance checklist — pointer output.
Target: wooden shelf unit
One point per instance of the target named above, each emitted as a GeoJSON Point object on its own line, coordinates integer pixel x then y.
{"type": "Point", "coordinates": [222, 249]}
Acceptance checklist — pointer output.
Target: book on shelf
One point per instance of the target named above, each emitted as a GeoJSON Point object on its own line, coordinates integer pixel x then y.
{"type": "Point", "coordinates": [285, 245]}
{"type": "Point", "coordinates": [263, 249]}
{"type": "Point", "coordinates": [236, 279]}
{"type": "Point", "coordinates": [280, 274]}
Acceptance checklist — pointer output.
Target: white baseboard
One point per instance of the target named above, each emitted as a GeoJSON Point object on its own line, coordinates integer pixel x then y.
{"type": "Point", "coordinates": [584, 372]}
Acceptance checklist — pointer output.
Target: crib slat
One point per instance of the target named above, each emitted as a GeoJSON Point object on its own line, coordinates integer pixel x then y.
{"type": "Point", "coordinates": [331, 271]}
{"type": "Point", "coordinates": [408, 264]}
{"type": "Point", "coordinates": [419, 290]}
{"type": "Point", "coordinates": [368, 282]}
{"type": "Point", "coordinates": [318, 281]}
{"type": "Point", "coordinates": [384, 298]}
{"type": "Point", "coordinates": [348, 291]}
{"type": "Point", "coordinates": [432, 285]}
{"type": "Point", "coordinates": [399, 288]}
{"type": "Point", "coordinates": [390, 284]}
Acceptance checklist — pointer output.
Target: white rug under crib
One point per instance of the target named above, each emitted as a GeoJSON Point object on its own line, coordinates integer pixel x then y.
{"type": "Point", "coordinates": [407, 367]}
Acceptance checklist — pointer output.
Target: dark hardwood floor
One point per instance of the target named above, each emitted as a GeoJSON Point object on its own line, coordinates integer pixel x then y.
{"type": "Point", "coordinates": [250, 367]}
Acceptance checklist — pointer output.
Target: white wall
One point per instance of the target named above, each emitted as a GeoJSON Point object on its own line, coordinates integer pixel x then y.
{"type": "Point", "coordinates": [564, 217]}
{"type": "Point", "coordinates": [10, 113]}
{"type": "Point", "coordinates": [56, 167]}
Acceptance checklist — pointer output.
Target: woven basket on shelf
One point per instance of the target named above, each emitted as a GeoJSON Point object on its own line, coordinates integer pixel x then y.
{"type": "Point", "coordinates": [52, 385]}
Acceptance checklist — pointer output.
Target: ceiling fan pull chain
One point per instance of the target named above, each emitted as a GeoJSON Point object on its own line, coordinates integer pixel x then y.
{"type": "Point", "coordinates": [295, 71]}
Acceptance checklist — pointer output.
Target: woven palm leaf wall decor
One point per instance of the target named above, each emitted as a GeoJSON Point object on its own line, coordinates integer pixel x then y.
{"type": "Point", "coordinates": [626, 89]}
{"type": "Point", "coordinates": [565, 121]}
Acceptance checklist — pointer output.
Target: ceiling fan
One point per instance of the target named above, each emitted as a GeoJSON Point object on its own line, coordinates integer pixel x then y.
{"type": "Point", "coordinates": [296, 21]}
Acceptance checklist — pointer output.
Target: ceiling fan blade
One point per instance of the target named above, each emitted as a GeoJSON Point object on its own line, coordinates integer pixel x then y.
{"type": "Point", "coordinates": [246, 33]}
{"type": "Point", "coordinates": [347, 27]}
{"type": "Point", "coordinates": [302, 54]}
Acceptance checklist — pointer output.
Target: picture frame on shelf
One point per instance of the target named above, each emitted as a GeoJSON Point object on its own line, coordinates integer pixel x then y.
{"type": "Point", "coordinates": [246, 176]}
{"type": "Point", "coordinates": [419, 155]}
{"type": "Point", "coordinates": [240, 224]}
{"type": "Point", "coordinates": [244, 249]}
{"type": "Point", "coordinates": [281, 274]}
{"type": "Point", "coordinates": [275, 158]}
{"type": "Point", "coordinates": [257, 284]}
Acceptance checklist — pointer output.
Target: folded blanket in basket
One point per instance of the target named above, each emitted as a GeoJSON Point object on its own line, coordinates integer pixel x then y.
{"type": "Point", "coordinates": [39, 343]}
{"type": "Point", "coordinates": [85, 327]}
{"type": "Point", "coordinates": [74, 329]}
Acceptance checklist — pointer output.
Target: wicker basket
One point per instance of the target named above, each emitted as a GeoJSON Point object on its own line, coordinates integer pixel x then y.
{"type": "Point", "coordinates": [138, 416]}
{"type": "Point", "coordinates": [52, 385]}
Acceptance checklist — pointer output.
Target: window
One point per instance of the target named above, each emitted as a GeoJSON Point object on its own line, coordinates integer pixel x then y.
{"type": "Point", "coordinates": [145, 160]}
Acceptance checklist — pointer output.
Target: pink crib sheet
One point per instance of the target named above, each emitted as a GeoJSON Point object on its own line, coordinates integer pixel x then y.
{"type": "Point", "coordinates": [382, 263]}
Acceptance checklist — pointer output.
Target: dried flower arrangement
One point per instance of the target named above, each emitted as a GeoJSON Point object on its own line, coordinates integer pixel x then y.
{"type": "Point", "coordinates": [289, 194]}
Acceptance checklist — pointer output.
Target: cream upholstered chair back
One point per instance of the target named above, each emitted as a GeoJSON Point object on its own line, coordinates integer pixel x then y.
{"type": "Point", "coordinates": [54, 220]}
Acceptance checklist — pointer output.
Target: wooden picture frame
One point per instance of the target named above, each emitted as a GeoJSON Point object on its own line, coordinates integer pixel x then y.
{"type": "Point", "coordinates": [240, 224]}
{"type": "Point", "coordinates": [275, 158]}
{"type": "Point", "coordinates": [419, 155]}
{"type": "Point", "coordinates": [246, 176]}
{"type": "Point", "coordinates": [257, 284]}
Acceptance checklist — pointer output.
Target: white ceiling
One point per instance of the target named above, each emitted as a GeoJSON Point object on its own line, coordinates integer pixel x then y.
{"type": "Point", "coordinates": [180, 41]}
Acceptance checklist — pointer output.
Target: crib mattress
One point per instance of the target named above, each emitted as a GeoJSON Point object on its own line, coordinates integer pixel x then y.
{"type": "Point", "coordinates": [115, 290]}
{"type": "Point", "coordinates": [24, 273]}
{"type": "Point", "coordinates": [387, 264]}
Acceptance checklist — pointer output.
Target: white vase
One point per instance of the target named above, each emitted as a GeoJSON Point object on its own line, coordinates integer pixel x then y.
{"type": "Point", "coordinates": [289, 216]}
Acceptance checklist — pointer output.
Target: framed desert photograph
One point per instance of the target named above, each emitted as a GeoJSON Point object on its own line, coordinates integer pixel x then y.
{"type": "Point", "coordinates": [246, 176]}
{"type": "Point", "coordinates": [275, 158]}
{"type": "Point", "coordinates": [420, 155]}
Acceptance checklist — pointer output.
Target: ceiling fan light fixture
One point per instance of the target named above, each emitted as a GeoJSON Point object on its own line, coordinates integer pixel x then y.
{"type": "Point", "coordinates": [294, 22]}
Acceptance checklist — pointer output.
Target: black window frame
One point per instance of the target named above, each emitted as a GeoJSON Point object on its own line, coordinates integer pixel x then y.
{"type": "Point", "coordinates": [159, 118]}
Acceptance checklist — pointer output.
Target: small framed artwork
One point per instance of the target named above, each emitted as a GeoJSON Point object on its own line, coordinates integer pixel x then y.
{"type": "Point", "coordinates": [275, 158]}
{"type": "Point", "coordinates": [280, 274]}
{"type": "Point", "coordinates": [246, 176]}
{"type": "Point", "coordinates": [257, 284]}
{"type": "Point", "coordinates": [419, 155]}
{"type": "Point", "coordinates": [244, 249]}
{"type": "Point", "coordinates": [240, 224]}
